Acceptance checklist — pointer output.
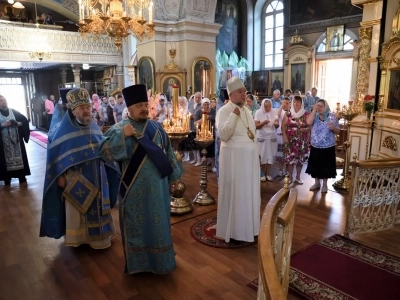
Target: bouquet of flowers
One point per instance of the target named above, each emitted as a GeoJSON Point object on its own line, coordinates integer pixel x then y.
{"type": "Point", "coordinates": [369, 103]}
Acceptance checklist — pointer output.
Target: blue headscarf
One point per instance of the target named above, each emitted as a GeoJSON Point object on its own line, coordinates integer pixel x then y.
{"type": "Point", "coordinates": [325, 114]}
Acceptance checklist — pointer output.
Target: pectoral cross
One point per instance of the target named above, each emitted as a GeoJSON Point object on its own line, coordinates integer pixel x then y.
{"type": "Point", "coordinates": [91, 146]}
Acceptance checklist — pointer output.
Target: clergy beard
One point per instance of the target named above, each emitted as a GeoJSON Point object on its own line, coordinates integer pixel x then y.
{"type": "Point", "coordinates": [239, 103]}
{"type": "Point", "coordinates": [85, 121]}
{"type": "Point", "coordinates": [4, 111]}
{"type": "Point", "coordinates": [141, 120]}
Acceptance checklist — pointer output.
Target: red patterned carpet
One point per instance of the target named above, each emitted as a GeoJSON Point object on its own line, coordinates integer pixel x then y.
{"type": "Point", "coordinates": [339, 268]}
{"type": "Point", "coordinates": [204, 232]}
{"type": "Point", "coordinates": [39, 138]}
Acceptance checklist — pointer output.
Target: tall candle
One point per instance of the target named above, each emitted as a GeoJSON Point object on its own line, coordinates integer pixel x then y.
{"type": "Point", "coordinates": [175, 101]}
{"type": "Point", "coordinates": [204, 122]}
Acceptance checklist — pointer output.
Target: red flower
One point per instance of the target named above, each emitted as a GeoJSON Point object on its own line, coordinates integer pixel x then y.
{"type": "Point", "coordinates": [368, 97]}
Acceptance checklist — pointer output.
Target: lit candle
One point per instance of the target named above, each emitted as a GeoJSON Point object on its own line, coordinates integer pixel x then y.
{"type": "Point", "coordinates": [80, 9]}
{"type": "Point", "coordinates": [204, 122]}
{"type": "Point", "coordinates": [175, 101]}
{"type": "Point", "coordinates": [151, 12]}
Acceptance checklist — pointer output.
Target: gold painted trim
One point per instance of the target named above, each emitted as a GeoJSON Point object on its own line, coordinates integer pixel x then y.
{"type": "Point", "coordinates": [359, 125]}
{"type": "Point", "coordinates": [387, 116]}
{"type": "Point", "coordinates": [372, 59]}
{"type": "Point", "coordinates": [388, 129]}
{"type": "Point", "coordinates": [390, 143]}
{"type": "Point", "coordinates": [387, 155]}
{"type": "Point", "coordinates": [359, 132]}
{"type": "Point", "coordinates": [370, 23]}
{"type": "Point", "coordinates": [212, 83]}
{"type": "Point", "coordinates": [365, 2]}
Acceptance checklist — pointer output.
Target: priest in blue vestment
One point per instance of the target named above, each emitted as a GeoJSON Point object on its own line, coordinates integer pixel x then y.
{"type": "Point", "coordinates": [80, 189]}
{"type": "Point", "coordinates": [149, 169]}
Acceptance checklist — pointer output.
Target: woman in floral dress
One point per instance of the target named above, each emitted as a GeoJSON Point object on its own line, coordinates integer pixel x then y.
{"type": "Point", "coordinates": [296, 136]}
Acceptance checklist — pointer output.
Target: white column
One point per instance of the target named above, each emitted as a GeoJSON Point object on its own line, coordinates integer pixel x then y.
{"type": "Point", "coordinates": [77, 74]}
{"type": "Point", "coordinates": [119, 76]}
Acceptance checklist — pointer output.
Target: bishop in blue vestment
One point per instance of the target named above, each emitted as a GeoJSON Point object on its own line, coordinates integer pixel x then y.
{"type": "Point", "coordinates": [80, 189]}
{"type": "Point", "coordinates": [149, 167]}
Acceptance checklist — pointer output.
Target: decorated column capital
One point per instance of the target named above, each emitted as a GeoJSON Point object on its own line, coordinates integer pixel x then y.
{"type": "Point", "coordinates": [365, 33]}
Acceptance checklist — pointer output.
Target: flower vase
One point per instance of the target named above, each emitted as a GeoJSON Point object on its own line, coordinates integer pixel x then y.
{"type": "Point", "coordinates": [369, 115]}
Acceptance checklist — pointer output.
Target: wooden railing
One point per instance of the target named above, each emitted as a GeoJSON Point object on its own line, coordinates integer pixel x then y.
{"type": "Point", "coordinates": [274, 245]}
{"type": "Point", "coordinates": [374, 196]}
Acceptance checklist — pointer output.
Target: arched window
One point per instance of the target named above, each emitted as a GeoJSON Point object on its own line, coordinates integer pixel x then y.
{"type": "Point", "coordinates": [346, 44]}
{"type": "Point", "coordinates": [273, 35]}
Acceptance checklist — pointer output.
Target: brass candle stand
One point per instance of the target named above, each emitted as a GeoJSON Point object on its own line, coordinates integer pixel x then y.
{"type": "Point", "coordinates": [177, 129]}
{"type": "Point", "coordinates": [348, 114]}
{"type": "Point", "coordinates": [204, 197]}
{"type": "Point", "coordinates": [179, 204]}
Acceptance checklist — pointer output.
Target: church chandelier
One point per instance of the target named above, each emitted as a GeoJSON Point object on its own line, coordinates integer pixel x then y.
{"type": "Point", "coordinates": [117, 19]}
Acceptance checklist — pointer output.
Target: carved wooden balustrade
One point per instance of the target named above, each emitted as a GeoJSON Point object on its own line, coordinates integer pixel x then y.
{"type": "Point", "coordinates": [274, 245]}
{"type": "Point", "coordinates": [374, 196]}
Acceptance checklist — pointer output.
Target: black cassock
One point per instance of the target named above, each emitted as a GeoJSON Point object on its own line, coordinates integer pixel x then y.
{"type": "Point", "coordinates": [23, 136]}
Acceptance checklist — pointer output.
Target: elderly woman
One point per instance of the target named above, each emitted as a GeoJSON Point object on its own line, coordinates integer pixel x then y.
{"type": "Point", "coordinates": [266, 136]}
{"type": "Point", "coordinates": [296, 136]}
{"type": "Point", "coordinates": [211, 113]}
{"type": "Point", "coordinates": [322, 161]}
{"type": "Point", "coordinates": [251, 104]}
{"type": "Point", "coordinates": [110, 111]}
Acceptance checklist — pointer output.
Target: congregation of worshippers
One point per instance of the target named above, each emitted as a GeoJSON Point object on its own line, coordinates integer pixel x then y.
{"type": "Point", "coordinates": [107, 150]}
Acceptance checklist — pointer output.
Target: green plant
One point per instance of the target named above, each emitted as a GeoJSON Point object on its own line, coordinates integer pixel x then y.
{"type": "Point", "coordinates": [369, 106]}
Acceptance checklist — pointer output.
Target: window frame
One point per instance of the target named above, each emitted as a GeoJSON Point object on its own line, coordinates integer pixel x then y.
{"type": "Point", "coordinates": [274, 54]}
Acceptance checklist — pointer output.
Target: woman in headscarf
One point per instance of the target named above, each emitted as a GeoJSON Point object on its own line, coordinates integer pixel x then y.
{"type": "Point", "coordinates": [183, 107]}
{"type": "Point", "coordinates": [251, 104]}
{"type": "Point", "coordinates": [296, 136]}
{"type": "Point", "coordinates": [322, 161]}
{"type": "Point", "coordinates": [266, 137]}
{"type": "Point", "coordinates": [110, 111]}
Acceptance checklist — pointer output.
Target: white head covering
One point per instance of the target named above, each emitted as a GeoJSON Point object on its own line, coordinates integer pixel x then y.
{"type": "Point", "coordinates": [234, 84]}
{"type": "Point", "coordinates": [263, 107]}
{"type": "Point", "coordinates": [300, 113]}
{"type": "Point", "coordinates": [185, 101]}
{"type": "Point", "coordinates": [204, 100]}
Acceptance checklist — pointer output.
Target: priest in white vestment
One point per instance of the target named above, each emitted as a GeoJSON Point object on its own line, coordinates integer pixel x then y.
{"type": "Point", "coordinates": [239, 197]}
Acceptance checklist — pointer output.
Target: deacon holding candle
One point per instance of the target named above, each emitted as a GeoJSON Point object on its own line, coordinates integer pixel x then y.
{"type": "Point", "coordinates": [205, 118]}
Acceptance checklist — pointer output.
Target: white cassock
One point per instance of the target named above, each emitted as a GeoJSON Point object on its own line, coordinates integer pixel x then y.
{"type": "Point", "coordinates": [239, 197]}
